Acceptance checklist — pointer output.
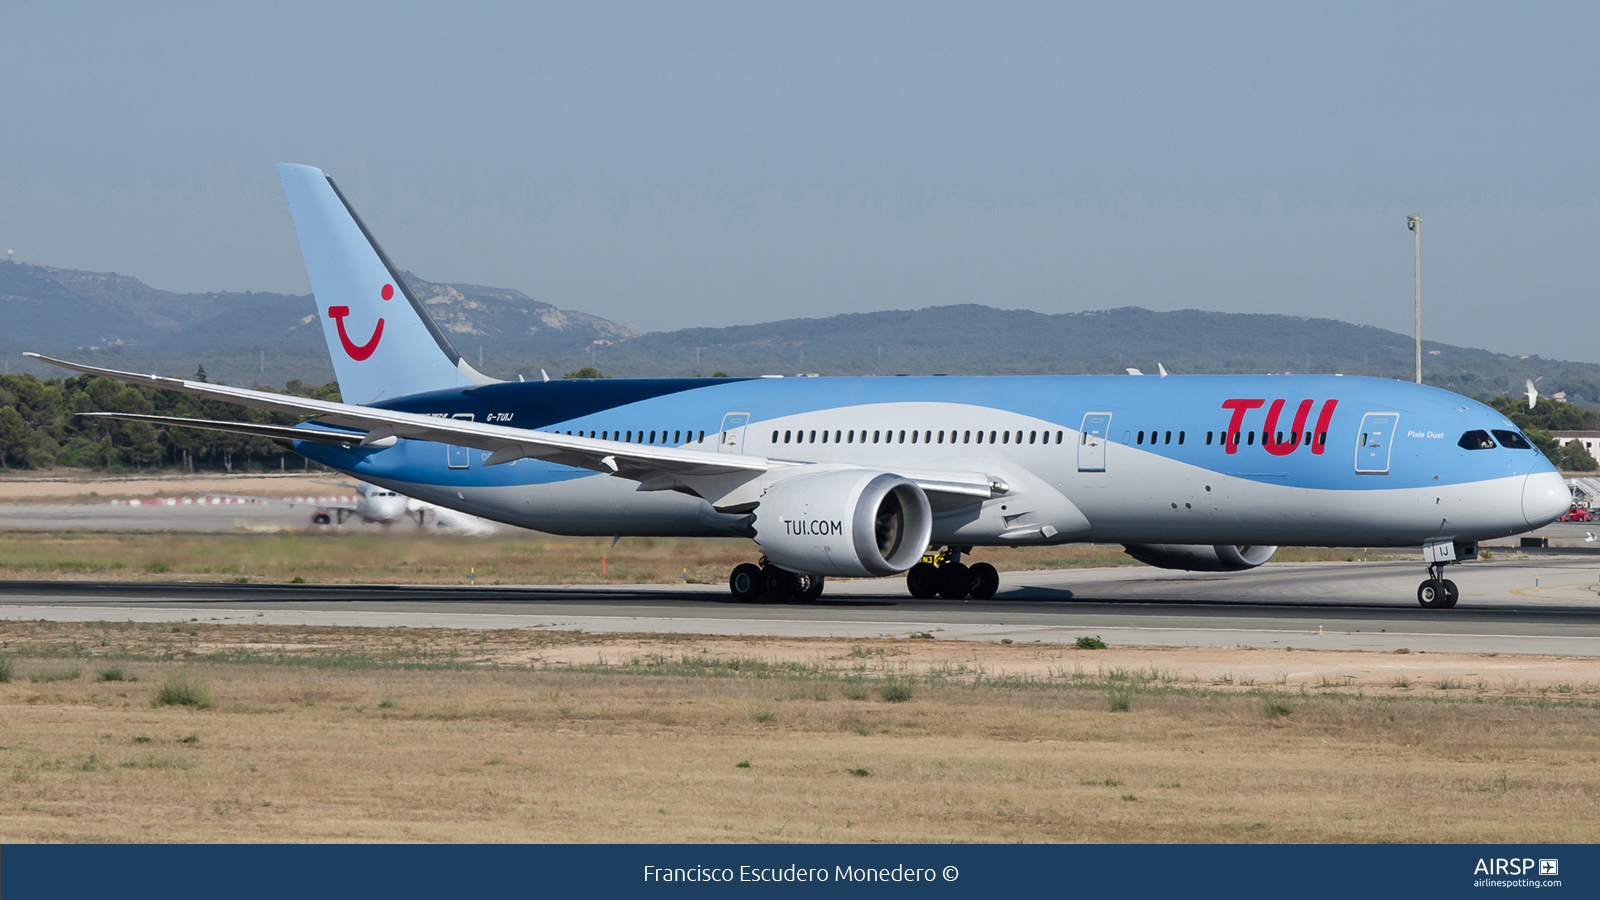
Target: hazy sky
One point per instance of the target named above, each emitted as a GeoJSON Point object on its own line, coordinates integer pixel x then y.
{"type": "Point", "coordinates": [675, 164]}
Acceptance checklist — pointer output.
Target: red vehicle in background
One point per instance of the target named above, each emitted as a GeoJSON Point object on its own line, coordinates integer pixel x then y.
{"type": "Point", "coordinates": [1576, 514]}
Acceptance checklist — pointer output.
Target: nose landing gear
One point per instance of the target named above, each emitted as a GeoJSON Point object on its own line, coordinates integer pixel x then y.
{"type": "Point", "coordinates": [1439, 592]}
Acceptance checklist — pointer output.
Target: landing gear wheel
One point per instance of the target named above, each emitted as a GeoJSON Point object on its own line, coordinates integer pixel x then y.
{"type": "Point", "coordinates": [985, 581]}
{"type": "Point", "coordinates": [782, 585]}
{"type": "Point", "coordinates": [1432, 594]}
{"type": "Point", "coordinates": [923, 581]}
{"type": "Point", "coordinates": [955, 581]}
{"type": "Point", "coordinates": [746, 583]}
{"type": "Point", "coordinates": [812, 588]}
{"type": "Point", "coordinates": [1451, 594]}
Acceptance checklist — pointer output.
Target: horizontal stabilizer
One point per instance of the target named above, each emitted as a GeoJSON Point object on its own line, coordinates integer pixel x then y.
{"type": "Point", "coordinates": [254, 429]}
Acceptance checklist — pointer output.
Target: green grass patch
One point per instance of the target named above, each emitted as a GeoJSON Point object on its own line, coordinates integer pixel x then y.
{"type": "Point", "coordinates": [896, 691]}
{"type": "Point", "coordinates": [183, 688]}
{"type": "Point", "coordinates": [1090, 643]}
{"type": "Point", "coordinates": [1120, 696]}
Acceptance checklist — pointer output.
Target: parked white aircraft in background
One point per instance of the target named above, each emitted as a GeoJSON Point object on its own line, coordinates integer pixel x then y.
{"type": "Point", "coordinates": [382, 506]}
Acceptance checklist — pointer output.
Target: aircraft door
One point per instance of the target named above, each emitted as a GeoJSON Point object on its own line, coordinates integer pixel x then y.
{"type": "Point", "coordinates": [1375, 441]}
{"type": "Point", "coordinates": [458, 457]}
{"type": "Point", "coordinates": [730, 439]}
{"type": "Point", "coordinates": [1092, 442]}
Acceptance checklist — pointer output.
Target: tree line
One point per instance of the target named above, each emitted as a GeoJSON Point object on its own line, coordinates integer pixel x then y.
{"type": "Point", "coordinates": [1547, 416]}
{"type": "Point", "coordinates": [40, 428]}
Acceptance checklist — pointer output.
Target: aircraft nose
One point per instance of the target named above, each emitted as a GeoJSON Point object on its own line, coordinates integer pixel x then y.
{"type": "Point", "coordinates": [1545, 496]}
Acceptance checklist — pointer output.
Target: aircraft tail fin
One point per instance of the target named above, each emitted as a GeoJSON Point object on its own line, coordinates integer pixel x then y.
{"type": "Point", "coordinates": [382, 341]}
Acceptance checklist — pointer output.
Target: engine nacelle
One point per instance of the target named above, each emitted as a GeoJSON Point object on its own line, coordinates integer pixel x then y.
{"type": "Point", "coordinates": [1201, 557]}
{"type": "Point", "coordinates": [852, 522]}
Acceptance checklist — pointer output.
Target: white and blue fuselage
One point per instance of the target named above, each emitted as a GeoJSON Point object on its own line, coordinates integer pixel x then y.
{"type": "Point", "coordinates": [1316, 460]}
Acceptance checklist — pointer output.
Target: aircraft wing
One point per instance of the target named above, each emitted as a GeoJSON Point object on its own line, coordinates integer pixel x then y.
{"type": "Point", "coordinates": [504, 442]}
{"type": "Point", "coordinates": [655, 467]}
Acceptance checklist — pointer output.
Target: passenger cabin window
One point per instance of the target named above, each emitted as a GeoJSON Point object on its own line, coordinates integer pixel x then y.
{"type": "Point", "coordinates": [1476, 440]}
{"type": "Point", "coordinates": [1511, 440]}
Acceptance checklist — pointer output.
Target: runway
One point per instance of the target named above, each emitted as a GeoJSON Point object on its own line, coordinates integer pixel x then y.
{"type": "Point", "coordinates": [1539, 605]}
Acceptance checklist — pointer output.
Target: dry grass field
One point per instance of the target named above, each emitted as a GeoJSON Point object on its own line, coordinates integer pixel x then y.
{"type": "Point", "coordinates": [417, 557]}
{"type": "Point", "coordinates": [289, 734]}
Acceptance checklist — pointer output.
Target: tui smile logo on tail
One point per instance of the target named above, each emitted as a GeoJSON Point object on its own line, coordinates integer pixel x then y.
{"type": "Point", "coordinates": [359, 352]}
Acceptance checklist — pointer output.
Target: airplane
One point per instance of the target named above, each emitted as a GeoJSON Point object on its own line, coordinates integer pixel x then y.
{"type": "Point", "coordinates": [373, 505]}
{"type": "Point", "coordinates": [381, 506]}
{"type": "Point", "coordinates": [882, 476]}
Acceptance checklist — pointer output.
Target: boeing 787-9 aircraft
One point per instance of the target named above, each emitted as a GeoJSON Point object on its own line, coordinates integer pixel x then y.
{"type": "Point", "coordinates": [867, 476]}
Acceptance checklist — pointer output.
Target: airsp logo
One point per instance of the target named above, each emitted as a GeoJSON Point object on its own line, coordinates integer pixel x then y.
{"type": "Point", "coordinates": [1514, 867]}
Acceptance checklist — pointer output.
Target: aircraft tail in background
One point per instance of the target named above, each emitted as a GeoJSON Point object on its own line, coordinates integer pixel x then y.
{"type": "Point", "coordinates": [382, 341]}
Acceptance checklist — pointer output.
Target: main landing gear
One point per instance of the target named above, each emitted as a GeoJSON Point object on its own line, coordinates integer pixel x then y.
{"type": "Point", "coordinates": [750, 583]}
{"type": "Point", "coordinates": [943, 574]}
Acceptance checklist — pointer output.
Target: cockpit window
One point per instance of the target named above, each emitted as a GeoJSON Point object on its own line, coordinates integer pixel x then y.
{"type": "Point", "coordinates": [1476, 440]}
{"type": "Point", "coordinates": [1512, 440]}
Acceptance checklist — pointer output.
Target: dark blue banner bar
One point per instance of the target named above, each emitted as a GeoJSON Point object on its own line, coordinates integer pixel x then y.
{"type": "Point", "coordinates": [308, 872]}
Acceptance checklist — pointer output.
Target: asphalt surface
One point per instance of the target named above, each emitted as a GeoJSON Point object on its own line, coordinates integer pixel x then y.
{"type": "Point", "coordinates": [1542, 604]}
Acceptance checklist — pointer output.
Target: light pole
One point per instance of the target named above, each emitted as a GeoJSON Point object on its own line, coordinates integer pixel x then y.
{"type": "Point", "coordinates": [1415, 224]}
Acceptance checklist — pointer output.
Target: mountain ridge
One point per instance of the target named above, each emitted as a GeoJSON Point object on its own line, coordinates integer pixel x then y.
{"type": "Point", "coordinates": [119, 321]}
